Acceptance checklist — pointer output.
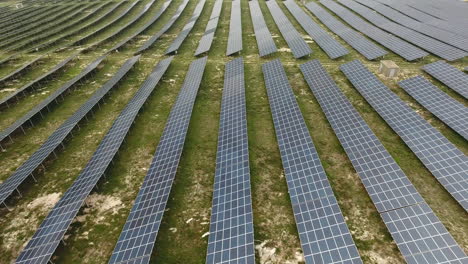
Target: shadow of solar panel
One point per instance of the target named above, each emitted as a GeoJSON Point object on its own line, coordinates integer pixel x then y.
{"type": "Point", "coordinates": [20, 70]}
{"type": "Point", "coordinates": [235, 29]}
{"type": "Point", "coordinates": [44, 242]}
{"type": "Point", "coordinates": [447, 163]}
{"type": "Point", "coordinates": [231, 238]}
{"type": "Point", "coordinates": [166, 27]}
{"type": "Point", "coordinates": [324, 236]}
{"type": "Point", "coordinates": [107, 25]}
{"type": "Point", "coordinates": [155, 18]}
{"type": "Point", "coordinates": [332, 47]}
{"type": "Point", "coordinates": [431, 31]}
{"type": "Point", "coordinates": [187, 28]}
{"type": "Point", "coordinates": [400, 47]}
{"type": "Point", "coordinates": [207, 39]}
{"type": "Point", "coordinates": [364, 46]}
{"type": "Point", "coordinates": [266, 44]}
{"type": "Point", "coordinates": [296, 43]}
{"type": "Point", "coordinates": [8, 186]}
{"type": "Point", "coordinates": [43, 105]}
{"type": "Point", "coordinates": [449, 75]}
{"type": "Point", "coordinates": [447, 109]}
{"type": "Point", "coordinates": [7, 100]}
{"type": "Point", "coordinates": [429, 44]}
{"type": "Point", "coordinates": [139, 233]}
{"type": "Point", "coordinates": [389, 188]}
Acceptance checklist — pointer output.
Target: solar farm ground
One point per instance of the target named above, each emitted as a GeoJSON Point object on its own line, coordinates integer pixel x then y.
{"type": "Point", "coordinates": [182, 236]}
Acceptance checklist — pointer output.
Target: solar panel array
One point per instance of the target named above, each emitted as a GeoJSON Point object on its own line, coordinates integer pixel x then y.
{"type": "Point", "coordinates": [187, 28]}
{"type": "Point", "coordinates": [231, 238]}
{"type": "Point", "coordinates": [44, 242]}
{"type": "Point", "coordinates": [33, 17]}
{"type": "Point", "coordinates": [165, 28]}
{"type": "Point", "coordinates": [295, 42]}
{"type": "Point", "coordinates": [429, 44]}
{"type": "Point", "coordinates": [20, 70]}
{"type": "Point", "coordinates": [99, 30]}
{"type": "Point", "coordinates": [447, 163]}
{"type": "Point", "coordinates": [417, 231]}
{"type": "Point", "coordinates": [235, 29]}
{"type": "Point", "coordinates": [139, 233]}
{"type": "Point", "coordinates": [332, 47]}
{"type": "Point", "coordinates": [8, 186]}
{"type": "Point", "coordinates": [364, 46]}
{"type": "Point", "coordinates": [449, 75]}
{"type": "Point", "coordinates": [7, 100]}
{"type": "Point", "coordinates": [398, 46]}
{"type": "Point", "coordinates": [434, 32]}
{"type": "Point", "coordinates": [144, 27]}
{"type": "Point", "coordinates": [266, 44]}
{"type": "Point", "coordinates": [324, 236]}
{"type": "Point", "coordinates": [207, 39]}
{"type": "Point", "coordinates": [447, 109]}
{"type": "Point", "coordinates": [43, 105]}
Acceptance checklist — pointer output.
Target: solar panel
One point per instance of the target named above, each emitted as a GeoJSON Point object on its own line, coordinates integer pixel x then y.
{"type": "Point", "coordinates": [165, 28]}
{"type": "Point", "coordinates": [399, 46]}
{"type": "Point", "coordinates": [207, 39]}
{"type": "Point", "coordinates": [429, 44]}
{"type": "Point", "coordinates": [449, 75]}
{"type": "Point", "coordinates": [140, 30]}
{"type": "Point", "coordinates": [20, 70]}
{"type": "Point", "coordinates": [332, 47]}
{"type": "Point", "coordinates": [364, 46]}
{"type": "Point", "coordinates": [295, 42]}
{"type": "Point", "coordinates": [235, 29]}
{"type": "Point", "coordinates": [187, 28]}
{"type": "Point", "coordinates": [43, 105]}
{"type": "Point", "coordinates": [450, 111]}
{"type": "Point", "coordinates": [8, 186]}
{"type": "Point", "coordinates": [266, 44]}
{"type": "Point", "coordinates": [324, 236]}
{"type": "Point", "coordinates": [44, 242]}
{"type": "Point", "coordinates": [392, 193]}
{"type": "Point", "coordinates": [139, 233]}
{"type": "Point", "coordinates": [7, 100]}
{"type": "Point", "coordinates": [447, 163]}
{"type": "Point", "coordinates": [231, 238]}
{"type": "Point", "coordinates": [434, 32]}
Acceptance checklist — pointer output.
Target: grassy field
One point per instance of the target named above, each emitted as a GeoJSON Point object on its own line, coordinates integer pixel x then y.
{"type": "Point", "coordinates": [181, 239]}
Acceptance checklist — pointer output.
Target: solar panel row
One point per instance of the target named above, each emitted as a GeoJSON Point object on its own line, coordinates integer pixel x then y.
{"type": "Point", "coordinates": [367, 48]}
{"type": "Point", "coordinates": [44, 242]}
{"type": "Point", "coordinates": [323, 233]}
{"type": "Point", "coordinates": [449, 75]}
{"type": "Point", "coordinates": [144, 27]}
{"type": "Point", "coordinates": [434, 32]}
{"type": "Point", "coordinates": [399, 46]}
{"type": "Point", "coordinates": [295, 42]}
{"type": "Point", "coordinates": [429, 44]}
{"type": "Point", "coordinates": [43, 105]}
{"type": "Point", "coordinates": [165, 28]}
{"type": "Point", "coordinates": [447, 109]}
{"type": "Point", "coordinates": [235, 29]}
{"type": "Point", "coordinates": [7, 100]}
{"type": "Point", "coordinates": [447, 163]}
{"type": "Point", "coordinates": [20, 70]}
{"type": "Point", "coordinates": [417, 231]}
{"type": "Point", "coordinates": [207, 39]}
{"type": "Point", "coordinates": [231, 238]}
{"type": "Point", "coordinates": [8, 186]}
{"type": "Point", "coordinates": [266, 44]}
{"type": "Point", "coordinates": [187, 28]}
{"type": "Point", "coordinates": [139, 233]}
{"type": "Point", "coordinates": [332, 47]}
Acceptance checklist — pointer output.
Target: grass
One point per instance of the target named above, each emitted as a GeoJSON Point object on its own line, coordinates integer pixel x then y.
{"type": "Point", "coordinates": [93, 235]}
